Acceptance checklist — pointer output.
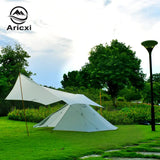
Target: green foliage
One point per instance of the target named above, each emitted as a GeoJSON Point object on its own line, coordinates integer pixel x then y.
{"type": "Point", "coordinates": [77, 78]}
{"type": "Point", "coordinates": [70, 79]}
{"type": "Point", "coordinates": [126, 113]}
{"type": "Point", "coordinates": [130, 93]}
{"type": "Point", "coordinates": [3, 85]}
{"type": "Point", "coordinates": [33, 115]}
{"type": "Point", "coordinates": [112, 66]}
{"type": "Point", "coordinates": [115, 66]}
{"type": "Point", "coordinates": [122, 99]}
{"type": "Point", "coordinates": [105, 97]}
{"type": "Point", "coordinates": [155, 78]}
{"type": "Point", "coordinates": [12, 62]}
{"type": "Point", "coordinates": [135, 114]}
{"type": "Point", "coordinates": [156, 93]}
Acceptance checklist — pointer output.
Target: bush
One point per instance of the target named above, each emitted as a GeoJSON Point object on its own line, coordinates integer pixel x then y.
{"type": "Point", "coordinates": [135, 114]}
{"type": "Point", "coordinates": [4, 108]}
{"type": "Point", "coordinates": [117, 117]}
{"type": "Point", "coordinates": [122, 99]}
{"type": "Point", "coordinates": [127, 113]}
{"type": "Point", "coordinates": [120, 104]}
{"type": "Point", "coordinates": [130, 94]}
{"type": "Point", "coordinates": [33, 115]}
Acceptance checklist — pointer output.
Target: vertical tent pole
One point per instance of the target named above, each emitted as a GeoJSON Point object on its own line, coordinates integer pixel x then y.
{"type": "Point", "coordinates": [23, 104]}
{"type": "Point", "coordinates": [100, 103]}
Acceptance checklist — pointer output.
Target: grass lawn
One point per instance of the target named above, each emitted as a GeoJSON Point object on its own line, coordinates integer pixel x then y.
{"type": "Point", "coordinates": [46, 144]}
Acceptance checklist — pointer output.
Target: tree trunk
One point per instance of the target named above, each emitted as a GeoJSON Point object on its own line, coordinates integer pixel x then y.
{"type": "Point", "coordinates": [114, 102]}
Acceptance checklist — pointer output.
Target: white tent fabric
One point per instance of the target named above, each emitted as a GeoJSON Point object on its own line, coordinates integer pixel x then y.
{"type": "Point", "coordinates": [70, 98]}
{"type": "Point", "coordinates": [36, 93]}
{"type": "Point", "coordinates": [76, 117]}
{"type": "Point", "coordinates": [31, 92]}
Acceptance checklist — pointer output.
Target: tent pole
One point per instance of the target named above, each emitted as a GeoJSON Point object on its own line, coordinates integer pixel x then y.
{"type": "Point", "coordinates": [23, 104]}
{"type": "Point", "coordinates": [100, 103]}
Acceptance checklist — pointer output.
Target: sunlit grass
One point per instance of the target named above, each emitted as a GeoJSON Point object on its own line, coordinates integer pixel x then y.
{"type": "Point", "coordinates": [46, 144]}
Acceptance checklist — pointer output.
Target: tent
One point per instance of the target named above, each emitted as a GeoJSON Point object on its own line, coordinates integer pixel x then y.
{"type": "Point", "coordinates": [76, 115]}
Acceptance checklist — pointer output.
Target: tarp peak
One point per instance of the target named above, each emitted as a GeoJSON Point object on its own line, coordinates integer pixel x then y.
{"type": "Point", "coordinates": [44, 95]}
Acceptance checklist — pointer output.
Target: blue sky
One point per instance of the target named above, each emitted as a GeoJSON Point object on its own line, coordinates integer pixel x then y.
{"type": "Point", "coordinates": [63, 32]}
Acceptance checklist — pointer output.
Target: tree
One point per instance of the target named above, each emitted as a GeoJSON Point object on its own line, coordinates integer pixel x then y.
{"type": "Point", "coordinates": [130, 93]}
{"type": "Point", "coordinates": [147, 93]}
{"type": "Point", "coordinates": [155, 78]}
{"type": "Point", "coordinates": [3, 86]}
{"type": "Point", "coordinates": [70, 79]}
{"type": "Point", "coordinates": [115, 67]}
{"type": "Point", "coordinates": [12, 62]}
{"type": "Point", "coordinates": [78, 78]}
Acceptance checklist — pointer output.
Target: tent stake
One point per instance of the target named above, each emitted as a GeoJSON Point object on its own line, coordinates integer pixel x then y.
{"type": "Point", "coordinates": [23, 104]}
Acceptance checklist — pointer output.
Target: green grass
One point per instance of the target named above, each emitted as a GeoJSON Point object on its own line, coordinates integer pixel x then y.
{"type": "Point", "coordinates": [46, 144]}
{"type": "Point", "coordinates": [128, 155]}
{"type": "Point", "coordinates": [130, 152]}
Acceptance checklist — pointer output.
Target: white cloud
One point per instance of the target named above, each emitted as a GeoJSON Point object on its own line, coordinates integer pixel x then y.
{"type": "Point", "coordinates": [63, 32]}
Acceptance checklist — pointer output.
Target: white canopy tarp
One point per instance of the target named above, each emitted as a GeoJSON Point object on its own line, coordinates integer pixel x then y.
{"type": "Point", "coordinates": [36, 93]}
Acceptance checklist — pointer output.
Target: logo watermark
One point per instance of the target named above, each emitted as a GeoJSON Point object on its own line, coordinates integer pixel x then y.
{"type": "Point", "coordinates": [18, 16]}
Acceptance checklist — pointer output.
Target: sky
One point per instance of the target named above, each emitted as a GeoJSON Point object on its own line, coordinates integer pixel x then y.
{"type": "Point", "coordinates": [64, 31]}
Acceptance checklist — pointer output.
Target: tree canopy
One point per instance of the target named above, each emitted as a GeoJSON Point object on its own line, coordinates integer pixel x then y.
{"type": "Point", "coordinates": [155, 78]}
{"type": "Point", "coordinates": [13, 60]}
{"type": "Point", "coordinates": [77, 78]}
{"type": "Point", "coordinates": [113, 66]}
